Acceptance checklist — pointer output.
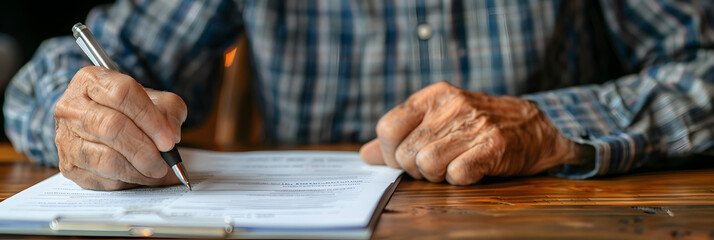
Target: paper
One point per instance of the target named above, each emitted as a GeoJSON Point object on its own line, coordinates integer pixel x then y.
{"type": "Point", "coordinates": [292, 190]}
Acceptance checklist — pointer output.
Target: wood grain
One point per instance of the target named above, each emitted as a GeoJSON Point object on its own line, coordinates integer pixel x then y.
{"type": "Point", "coordinates": [660, 205]}
{"type": "Point", "coordinates": [677, 204]}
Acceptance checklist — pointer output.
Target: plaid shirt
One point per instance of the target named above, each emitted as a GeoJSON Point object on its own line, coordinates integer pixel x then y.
{"type": "Point", "coordinates": [325, 71]}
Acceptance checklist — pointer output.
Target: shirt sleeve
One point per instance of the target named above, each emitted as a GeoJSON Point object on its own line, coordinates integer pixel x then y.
{"type": "Point", "coordinates": [164, 45]}
{"type": "Point", "coordinates": [662, 111]}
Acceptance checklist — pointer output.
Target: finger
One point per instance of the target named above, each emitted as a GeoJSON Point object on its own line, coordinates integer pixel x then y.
{"type": "Point", "coordinates": [472, 165]}
{"type": "Point", "coordinates": [110, 164]}
{"type": "Point", "coordinates": [76, 153]}
{"type": "Point", "coordinates": [432, 160]}
{"type": "Point", "coordinates": [405, 153]}
{"type": "Point", "coordinates": [394, 126]}
{"type": "Point", "coordinates": [462, 171]}
{"type": "Point", "coordinates": [173, 107]}
{"type": "Point", "coordinates": [447, 118]}
{"type": "Point", "coordinates": [371, 153]}
{"type": "Point", "coordinates": [106, 162]}
{"type": "Point", "coordinates": [124, 94]}
{"type": "Point", "coordinates": [88, 180]}
{"type": "Point", "coordinates": [104, 125]}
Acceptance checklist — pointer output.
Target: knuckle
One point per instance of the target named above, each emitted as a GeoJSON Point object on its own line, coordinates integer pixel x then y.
{"type": "Point", "coordinates": [426, 161]}
{"type": "Point", "coordinates": [458, 173]}
{"type": "Point", "coordinates": [385, 128]}
{"type": "Point", "coordinates": [118, 91]}
{"type": "Point", "coordinates": [109, 125]}
{"type": "Point", "coordinates": [61, 107]}
{"type": "Point", "coordinates": [402, 156]}
{"type": "Point", "coordinates": [86, 74]}
{"type": "Point", "coordinates": [67, 107]}
{"type": "Point", "coordinates": [442, 85]}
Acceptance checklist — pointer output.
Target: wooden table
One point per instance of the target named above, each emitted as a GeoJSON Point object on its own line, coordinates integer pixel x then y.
{"type": "Point", "coordinates": [676, 204]}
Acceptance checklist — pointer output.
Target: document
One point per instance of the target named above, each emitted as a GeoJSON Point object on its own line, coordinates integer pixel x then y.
{"type": "Point", "coordinates": [259, 194]}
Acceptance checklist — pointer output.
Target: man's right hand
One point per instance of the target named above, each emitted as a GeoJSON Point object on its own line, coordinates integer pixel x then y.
{"type": "Point", "coordinates": [110, 131]}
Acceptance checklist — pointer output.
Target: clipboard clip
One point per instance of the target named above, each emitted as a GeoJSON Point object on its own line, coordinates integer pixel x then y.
{"type": "Point", "coordinates": [144, 223]}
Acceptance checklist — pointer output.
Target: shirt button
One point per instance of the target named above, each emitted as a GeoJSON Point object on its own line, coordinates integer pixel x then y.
{"type": "Point", "coordinates": [424, 31]}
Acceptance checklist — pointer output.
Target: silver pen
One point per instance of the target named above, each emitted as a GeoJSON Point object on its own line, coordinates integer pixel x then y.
{"type": "Point", "coordinates": [99, 57]}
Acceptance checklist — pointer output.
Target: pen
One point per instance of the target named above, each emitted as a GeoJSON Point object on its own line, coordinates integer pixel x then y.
{"type": "Point", "coordinates": [99, 57]}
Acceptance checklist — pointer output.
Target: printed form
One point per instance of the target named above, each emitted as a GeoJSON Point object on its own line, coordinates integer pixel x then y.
{"type": "Point", "coordinates": [275, 190]}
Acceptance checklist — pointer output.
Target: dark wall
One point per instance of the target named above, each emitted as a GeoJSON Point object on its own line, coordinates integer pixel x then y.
{"type": "Point", "coordinates": [30, 22]}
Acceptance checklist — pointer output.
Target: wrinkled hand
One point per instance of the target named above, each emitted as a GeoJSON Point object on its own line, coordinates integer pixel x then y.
{"type": "Point", "coordinates": [445, 133]}
{"type": "Point", "coordinates": [110, 131]}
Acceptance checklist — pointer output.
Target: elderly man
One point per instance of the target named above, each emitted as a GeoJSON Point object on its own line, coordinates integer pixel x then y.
{"type": "Point", "coordinates": [599, 86]}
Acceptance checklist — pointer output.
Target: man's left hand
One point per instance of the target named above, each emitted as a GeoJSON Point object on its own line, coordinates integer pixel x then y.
{"type": "Point", "coordinates": [445, 133]}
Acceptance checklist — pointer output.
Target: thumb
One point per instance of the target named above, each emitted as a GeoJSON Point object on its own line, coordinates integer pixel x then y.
{"type": "Point", "coordinates": [371, 153]}
{"type": "Point", "coordinates": [173, 107]}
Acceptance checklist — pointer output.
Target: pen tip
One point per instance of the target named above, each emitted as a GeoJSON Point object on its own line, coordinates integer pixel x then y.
{"type": "Point", "coordinates": [189, 186]}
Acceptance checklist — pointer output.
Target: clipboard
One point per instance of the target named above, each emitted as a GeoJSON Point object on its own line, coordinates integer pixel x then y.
{"type": "Point", "coordinates": [117, 225]}
{"type": "Point", "coordinates": [301, 189]}
{"type": "Point", "coordinates": [113, 225]}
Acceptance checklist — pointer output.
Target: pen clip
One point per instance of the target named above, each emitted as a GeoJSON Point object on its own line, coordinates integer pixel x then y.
{"type": "Point", "coordinates": [129, 223]}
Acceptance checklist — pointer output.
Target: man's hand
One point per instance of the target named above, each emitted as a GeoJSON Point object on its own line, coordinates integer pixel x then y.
{"type": "Point", "coordinates": [445, 133]}
{"type": "Point", "coordinates": [110, 131]}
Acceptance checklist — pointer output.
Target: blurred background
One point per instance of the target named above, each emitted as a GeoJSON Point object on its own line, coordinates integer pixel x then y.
{"type": "Point", "coordinates": [25, 24]}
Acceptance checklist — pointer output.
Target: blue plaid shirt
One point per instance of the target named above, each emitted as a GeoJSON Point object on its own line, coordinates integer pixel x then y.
{"type": "Point", "coordinates": [325, 71]}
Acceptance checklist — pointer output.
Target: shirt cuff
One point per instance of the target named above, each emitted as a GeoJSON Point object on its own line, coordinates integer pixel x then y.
{"type": "Point", "coordinates": [579, 116]}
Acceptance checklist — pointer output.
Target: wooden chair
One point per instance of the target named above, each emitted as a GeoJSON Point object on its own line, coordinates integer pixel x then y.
{"type": "Point", "coordinates": [234, 120]}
